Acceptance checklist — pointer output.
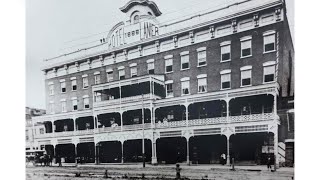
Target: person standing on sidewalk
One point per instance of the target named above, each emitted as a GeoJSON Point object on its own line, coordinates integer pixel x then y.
{"type": "Point", "coordinates": [269, 162]}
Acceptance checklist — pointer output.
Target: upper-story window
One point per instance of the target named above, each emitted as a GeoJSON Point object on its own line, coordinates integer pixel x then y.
{"type": "Point", "coordinates": [97, 96]}
{"type": "Point", "coordinates": [225, 79]}
{"type": "Point", "coordinates": [269, 40]}
{"type": "Point", "coordinates": [121, 73]}
{"type": "Point", "coordinates": [86, 102]}
{"type": "Point", "coordinates": [246, 44]}
{"type": "Point", "coordinates": [51, 107]}
{"type": "Point", "coordinates": [169, 88]}
{"type": "Point", "coordinates": [202, 56]}
{"type": "Point", "coordinates": [150, 64]}
{"type": "Point", "coordinates": [41, 130]}
{"type": "Point", "coordinates": [97, 78]}
{"type": "Point", "coordinates": [51, 88]}
{"type": "Point", "coordinates": [133, 70]}
{"type": "Point", "coordinates": [75, 104]}
{"type": "Point", "coordinates": [85, 83]}
{"type": "Point", "coordinates": [246, 75]}
{"type": "Point", "coordinates": [185, 86]}
{"type": "Point", "coordinates": [169, 63]}
{"type": "Point", "coordinates": [184, 60]}
{"type": "Point", "coordinates": [136, 19]}
{"type": "Point", "coordinates": [202, 83]}
{"type": "Point", "coordinates": [109, 75]}
{"type": "Point", "coordinates": [225, 51]}
{"type": "Point", "coordinates": [269, 70]}
{"type": "Point", "coordinates": [74, 83]}
{"type": "Point", "coordinates": [63, 85]}
{"type": "Point", "coordinates": [63, 105]}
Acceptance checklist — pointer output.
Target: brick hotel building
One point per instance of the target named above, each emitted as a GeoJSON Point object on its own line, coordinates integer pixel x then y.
{"type": "Point", "coordinates": [193, 88]}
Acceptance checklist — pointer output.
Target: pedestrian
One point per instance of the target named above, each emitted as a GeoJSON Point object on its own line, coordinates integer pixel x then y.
{"type": "Point", "coordinates": [269, 162]}
{"type": "Point", "coordinates": [223, 159]}
{"type": "Point", "coordinates": [59, 161]}
{"type": "Point", "coordinates": [178, 169]}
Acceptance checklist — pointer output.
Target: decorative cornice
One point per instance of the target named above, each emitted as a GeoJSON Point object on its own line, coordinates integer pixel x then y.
{"type": "Point", "coordinates": [148, 3]}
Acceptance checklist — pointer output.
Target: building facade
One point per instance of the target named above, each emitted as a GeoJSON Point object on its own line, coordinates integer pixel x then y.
{"type": "Point", "coordinates": [189, 90]}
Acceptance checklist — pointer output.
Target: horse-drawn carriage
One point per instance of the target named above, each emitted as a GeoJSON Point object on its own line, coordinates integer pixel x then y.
{"type": "Point", "coordinates": [38, 157]}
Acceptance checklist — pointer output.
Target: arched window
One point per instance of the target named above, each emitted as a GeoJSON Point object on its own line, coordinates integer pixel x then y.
{"type": "Point", "coordinates": [136, 19]}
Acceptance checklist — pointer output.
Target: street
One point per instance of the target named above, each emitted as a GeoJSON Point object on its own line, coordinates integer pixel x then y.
{"type": "Point", "coordinates": [135, 171]}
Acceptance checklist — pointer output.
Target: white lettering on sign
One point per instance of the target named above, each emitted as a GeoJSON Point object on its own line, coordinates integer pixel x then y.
{"type": "Point", "coordinates": [133, 33]}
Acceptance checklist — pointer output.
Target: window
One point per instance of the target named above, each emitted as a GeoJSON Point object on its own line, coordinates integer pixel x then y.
{"type": "Point", "coordinates": [246, 75]}
{"type": "Point", "coordinates": [51, 107]}
{"type": "Point", "coordinates": [246, 47]}
{"type": "Point", "coordinates": [63, 106]}
{"type": "Point", "coordinates": [136, 19]}
{"type": "Point", "coordinates": [74, 84]}
{"type": "Point", "coordinates": [169, 88]}
{"type": "Point", "coordinates": [97, 78]}
{"type": "Point", "coordinates": [121, 74]}
{"type": "Point", "coordinates": [41, 130]}
{"type": "Point", "coordinates": [185, 86]}
{"type": "Point", "coordinates": [75, 104]}
{"type": "Point", "coordinates": [98, 96]}
{"type": "Point", "coordinates": [51, 89]}
{"type": "Point", "coordinates": [86, 102]}
{"type": "Point", "coordinates": [269, 71]}
{"type": "Point", "coordinates": [85, 83]}
{"type": "Point", "coordinates": [202, 83]}
{"type": "Point", "coordinates": [168, 64]}
{"type": "Point", "coordinates": [63, 86]}
{"type": "Point", "coordinates": [133, 70]}
{"type": "Point", "coordinates": [225, 79]}
{"type": "Point", "coordinates": [225, 51]}
{"type": "Point", "coordinates": [202, 56]}
{"type": "Point", "coordinates": [184, 60]}
{"type": "Point", "coordinates": [269, 41]}
{"type": "Point", "coordinates": [109, 75]}
{"type": "Point", "coordinates": [151, 67]}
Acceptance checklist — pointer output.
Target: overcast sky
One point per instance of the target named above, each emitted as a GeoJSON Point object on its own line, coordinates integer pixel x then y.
{"type": "Point", "coordinates": [56, 26]}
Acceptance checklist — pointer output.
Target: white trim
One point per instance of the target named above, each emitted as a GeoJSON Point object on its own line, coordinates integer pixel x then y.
{"type": "Point", "coordinates": [202, 76]}
{"type": "Point", "coordinates": [62, 80]}
{"type": "Point", "coordinates": [289, 140]}
{"type": "Point", "coordinates": [168, 56]}
{"type": "Point", "coordinates": [85, 75]}
{"type": "Point", "coordinates": [184, 53]}
{"type": "Point", "coordinates": [201, 49]}
{"type": "Point", "coordinates": [224, 43]}
{"type": "Point", "coordinates": [185, 79]}
{"type": "Point", "coordinates": [109, 70]}
{"type": "Point", "coordinates": [63, 100]}
{"type": "Point", "coordinates": [96, 73]}
{"type": "Point", "coordinates": [74, 98]}
{"type": "Point", "coordinates": [244, 68]}
{"type": "Point", "coordinates": [226, 71]}
{"type": "Point", "coordinates": [121, 67]}
{"type": "Point", "coordinates": [269, 63]}
{"type": "Point", "coordinates": [73, 78]}
{"type": "Point", "coordinates": [269, 32]}
{"type": "Point", "coordinates": [290, 111]}
{"type": "Point", "coordinates": [150, 61]}
{"type": "Point", "coordinates": [50, 83]}
{"type": "Point", "coordinates": [133, 65]}
{"type": "Point", "coordinates": [168, 82]}
{"type": "Point", "coordinates": [246, 38]}
{"type": "Point", "coordinates": [85, 96]}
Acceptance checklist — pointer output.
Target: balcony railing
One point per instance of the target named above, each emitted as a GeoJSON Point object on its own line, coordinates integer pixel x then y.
{"type": "Point", "coordinates": [161, 125]}
{"type": "Point", "coordinates": [125, 100]}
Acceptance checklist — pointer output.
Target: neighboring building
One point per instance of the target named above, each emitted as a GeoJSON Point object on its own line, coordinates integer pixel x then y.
{"type": "Point", "coordinates": [194, 89]}
{"type": "Point", "coordinates": [33, 129]}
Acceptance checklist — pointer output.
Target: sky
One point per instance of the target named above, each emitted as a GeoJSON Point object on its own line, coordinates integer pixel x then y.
{"type": "Point", "coordinates": [57, 26]}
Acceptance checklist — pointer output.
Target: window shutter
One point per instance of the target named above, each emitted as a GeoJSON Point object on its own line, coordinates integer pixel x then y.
{"type": "Point", "coordinates": [269, 70]}
{"type": "Point", "coordinates": [269, 39]}
{"type": "Point", "coordinates": [246, 74]}
{"type": "Point", "coordinates": [246, 44]}
{"type": "Point", "coordinates": [225, 49]}
{"type": "Point", "coordinates": [168, 62]}
{"type": "Point", "coordinates": [225, 77]}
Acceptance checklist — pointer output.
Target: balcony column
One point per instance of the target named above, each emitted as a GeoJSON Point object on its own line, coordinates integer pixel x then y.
{"type": "Point", "coordinates": [275, 139]}
{"type": "Point", "coordinates": [186, 105]}
{"type": "Point", "coordinates": [75, 153]}
{"type": "Point", "coordinates": [227, 108]}
{"type": "Point", "coordinates": [95, 121]}
{"type": "Point", "coordinates": [228, 149]}
{"type": "Point", "coordinates": [154, 159]}
{"type": "Point", "coordinates": [97, 152]}
{"type": "Point", "coordinates": [275, 106]}
{"type": "Point", "coordinates": [153, 117]}
{"type": "Point", "coordinates": [188, 157]}
{"type": "Point", "coordinates": [53, 127]}
{"type": "Point", "coordinates": [121, 119]}
{"type": "Point", "coordinates": [122, 158]}
{"type": "Point", "coordinates": [74, 124]}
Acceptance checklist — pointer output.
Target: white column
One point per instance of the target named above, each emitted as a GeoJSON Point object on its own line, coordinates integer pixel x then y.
{"type": "Point", "coordinates": [154, 152]}
{"type": "Point", "coordinates": [74, 124]}
{"type": "Point", "coordinates": [75, 152]}
{"type": "Point", "coordinates": [53, 127]}
{"type": "Point", "coordinates": [121, 119]}
{"type": "Point", "coordinates": [227, 106]}
{"type": "Point", "coordinates": [186, 105]}
{"type": "Point", "coordinates": [276, 155]}
{"type": "Point", "coordinates": [228, 149]}
{"type": "Point", "coordinates": [122, 142]}
{"type": "Point", "coordinates": [188, 157]}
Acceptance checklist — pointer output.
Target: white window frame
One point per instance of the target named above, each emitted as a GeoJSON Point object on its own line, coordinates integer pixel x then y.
{"type": "Point", "coordinates": [246, 69]}
{"type": "Point", "coordinates": [63, 105]}
{"type": "Point", "coordinates": [225, 44]}
{"type": "Point", "coordinates": [133, 70]}
{"type": "Point", "coordinates": [184, 59]}
{"type": "Point", "coordinates": [51, 107]}
{"type": "Point", "coordinates": [202, 77]}
{"type": "Point", "coordinates": [74, 103]}
{"type": "Point", "coordinates": [265, 35]}
{"type": "Point", "coordinates": [168, 62]}
{"type": "Point", "coordinates": [86, 98]}
{"type": "Point", "coordinates": [97, 97]}
{"type": "Point", "coordinates": [73, 83]}
{"type": "Point", "coordinates": [243, 41]}
{"type": "Point", "coordinates": [150, 65]}
{"type": "Point", "coordinates": [63, 85]}
{"type": "Point", "coordinates": [202, 50]}
{"type": "Point", "coordinates": [183, 81]}
{"type": "Point", "coordinates": [226, 72]}
{"type": "Point", "coordinates": [51, 88]}
{"type": "Point", "coordinates": [85, 82]}
{"type": "Point", "coordinates": [121, 71]}
{"type": "Point", "coordinates": [166, 84]}
{"type": "Point", "coordinates": [97, 78]}
{"type": "Point", "coordinates": [109, 74]}
{"type": "Point", "coordinates": [266, 65]}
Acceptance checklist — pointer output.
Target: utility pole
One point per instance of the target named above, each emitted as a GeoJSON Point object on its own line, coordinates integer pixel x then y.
{"type": "Point", "coordinates": [143, 150]}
